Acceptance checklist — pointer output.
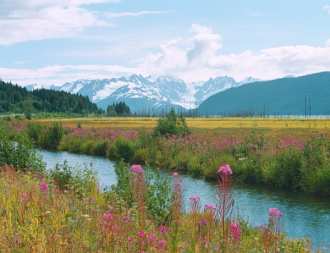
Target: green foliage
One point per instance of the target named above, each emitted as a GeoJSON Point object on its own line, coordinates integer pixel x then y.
{"type": "Point", "coordinates": [122, 149]}
{"type": "Point", "coordinates": [118, 109]}
{"type": "Point", "coordinates": [158, 192]}
{"type": "Point", "coordinates": [18, 152]}
{"type": "Point", "coordinates": [19, 100]}
{"type": "Point", "coordinates": [171, 125]}
{"type": "Point", "coordinates": [81, 181]}
{"type": "Point", "coordinates": [123, 187]}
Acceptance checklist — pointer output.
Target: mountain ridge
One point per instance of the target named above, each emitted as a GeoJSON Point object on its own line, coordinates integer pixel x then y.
{"type": "Point", "coordinates": [303, 95]}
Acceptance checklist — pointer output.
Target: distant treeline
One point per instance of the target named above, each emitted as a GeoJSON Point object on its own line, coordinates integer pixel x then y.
{"type": "Point", "coordinates": [15, 99]}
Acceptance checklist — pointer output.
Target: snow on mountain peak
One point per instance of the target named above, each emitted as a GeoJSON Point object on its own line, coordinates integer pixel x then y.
{"type": "Point", "coordinates": [151, 90]}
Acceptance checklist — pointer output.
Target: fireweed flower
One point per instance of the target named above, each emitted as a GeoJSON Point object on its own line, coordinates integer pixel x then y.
{"type": "Point", "coordinates": [151, 238]}
{"type": "Point", "coordinates": [25, 197]}
{"type": "Point", "coordinates": [209, 207]}
{"type": "Point", "coordinates": [161, 245]}
{"type": "Point", "coordinates": [107, 217]}
{"type": "Point", "coordinates": [136, 169]}
{"type": "Point", "coordinates": [194, 199]}
{"type": "Point", "coordinates": [163, 229]}
{"type": "Point", "coordinates": [225, 170]}
{"type": "Point", "coordinates": [275, 213]}
{"type": "Point", "coordinates": [235, 231]}
{"type": "Point", "coordinates": [43, 186]}
{"type": "Point", "coordinates": [141, 234]}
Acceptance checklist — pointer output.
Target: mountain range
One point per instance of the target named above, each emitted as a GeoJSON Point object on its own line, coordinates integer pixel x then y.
{"type": "Point", "coordinates": [147, 94]}
{"type": "Point", "coordinates": [304, 95]}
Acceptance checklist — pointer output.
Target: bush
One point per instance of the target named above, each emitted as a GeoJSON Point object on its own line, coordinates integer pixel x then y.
{"type": "Point", "coordinates": [158, 192]}
{"type": "Point", "coordinates": [122, 149]}
{"type": "Point", "coordinates": [19, 153]}
{"type": "Point", "coordinates": [171, 125]}
{"type": "Point", "coordinates": [288, 169]}
{"type": "Point", "coordinates": [46, 137]}
{"type": "Point", "coordinates": [80, 181]}
{"type": "Point", "coordinates": [53, 136]}
{"type": "Point", "coordinates": [35, 132]}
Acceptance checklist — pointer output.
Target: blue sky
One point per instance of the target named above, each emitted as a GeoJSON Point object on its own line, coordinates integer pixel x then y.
{"type": "Point", "coordinates": [46, 42]}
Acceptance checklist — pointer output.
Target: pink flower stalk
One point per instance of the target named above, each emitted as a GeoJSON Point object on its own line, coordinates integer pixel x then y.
{"type": "Point", "coordinates": [210, 207]}
{"type": "Point", "coordinates": [107, 217]}
{"type": "Point", "coordinates": [137, 169]}
{"type": "Point", "coordinates": [43, 186]}
{"type": "Point", "coordinates": [141, 234]}
{"type": "Point", "coordinates": [194, 199]}
{"type": "Point", "coordinates": [161, 245]}
{"type": "Point", "coordinates": [235, 231]}
{"type": "Point", "coordinates": [175, 174]}
{"type": "Point", "coordinates": [203, 222]}
{"type": "Point", "coordinates": [151, 238]}
{"type": "Point", "coordinates": [225, 170]}
{"type": "Point", "coordinates": [25, 197]}
{"type": "Point", "coordinates": [163, 229]}
{"type": "Point", "coordinates": [275, 213]}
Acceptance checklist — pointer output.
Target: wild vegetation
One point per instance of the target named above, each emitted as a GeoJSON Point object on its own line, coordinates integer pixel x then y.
{"type": "Point", "coordinates": [39, 215]}
{"type": "Point", "coordinates": [286, 160]}
{"type": "Point", "coordinates": [64, 210]}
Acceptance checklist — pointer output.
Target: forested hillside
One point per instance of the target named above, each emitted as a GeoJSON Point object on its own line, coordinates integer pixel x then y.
{"type": "Point", "coordinates": [304, 95]}
{"type": "Point", "coordinates": [16, 99]}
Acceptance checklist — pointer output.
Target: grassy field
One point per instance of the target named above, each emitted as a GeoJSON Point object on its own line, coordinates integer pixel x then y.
{"type": "Point", "coordinates": [202, 123]}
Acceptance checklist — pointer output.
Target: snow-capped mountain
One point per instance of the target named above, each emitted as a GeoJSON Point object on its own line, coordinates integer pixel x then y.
{"type": "Point", "coordinates": [148, 94]}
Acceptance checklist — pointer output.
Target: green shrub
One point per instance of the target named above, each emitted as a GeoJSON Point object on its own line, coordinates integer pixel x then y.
{"type": "Point", "coordinates": [171, 125]}
{"type": "Point", "coordinates": [122, 149]}
{"type": "Point", "coordinates": [53, 136]}
{"type": "Point", "coordinates": [35, 133]}
{"type": "Point", "coordinates": [81, 181]}
{"type": "Point", "coordinates": [288, 169]}
{"type": "Point", "coordinates": [18, 152]}
{"type": "Point", "coordinates": [100, 148]}
{"type": "Point", "coordinates": [158, 193]}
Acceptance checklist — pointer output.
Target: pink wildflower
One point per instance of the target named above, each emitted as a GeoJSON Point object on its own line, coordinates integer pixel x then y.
{"type": "Point", "coordinates": [225, 170]}
{"type": "Point", "coordinates": [137, 169]}
{"type": "Point", "coordinates": [141, 234]}
{"type": "Point", "coordinates": [25, 197]}
{"type": "Point", "coordinates": [194, 199]}
{"type": "Point", "coordinates": [151, 238]}
{"type": "Point", "coordinates": [275, 213]}
{"type": "Point", "coordinates": [235, 231]}
{"type": "Point", "coordinates": [161, 245]}
{"type": "Point", "coordinates": [43, 186]}
{"type": "Point", "coordinates": [107, 217]}
{"type": "Point", "coordinates": [175, 174]}
{"type": "Point", "coordinates": [163, 229]}
{"type": "Point", "coordinates": [209, 207]}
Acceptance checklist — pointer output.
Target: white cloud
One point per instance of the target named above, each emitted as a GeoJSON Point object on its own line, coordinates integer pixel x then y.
{"type": "Point", "coordinates": [25, 20]}
{"type": "Point", "coordinates": [135, 14]}
{"type": "Point", "coordinates": [195, 57]}
{"type": "Point", "coordinates": [327, 8]}
{"type": "Point", "coordinates": [199, 57]}
{"type": "Point", "coordinates": [327, 43]}
{"type": "Point", "coordinates": [58, 74]}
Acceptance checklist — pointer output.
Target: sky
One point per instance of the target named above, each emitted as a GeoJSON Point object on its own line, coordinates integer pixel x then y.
{"type": "Point", "coordinates": [52, 42]}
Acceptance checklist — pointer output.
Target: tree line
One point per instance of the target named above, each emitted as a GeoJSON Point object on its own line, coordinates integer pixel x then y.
{"type": "Point", "coordinates": [16, 99]}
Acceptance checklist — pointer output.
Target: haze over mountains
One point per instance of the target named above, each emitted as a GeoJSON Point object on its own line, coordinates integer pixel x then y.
{"type": "Point", "coordinates": [149, 93]}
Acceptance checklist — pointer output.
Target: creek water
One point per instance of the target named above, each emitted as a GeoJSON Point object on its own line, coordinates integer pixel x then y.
{"type": "Point", "coordinates": [303, 216]}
